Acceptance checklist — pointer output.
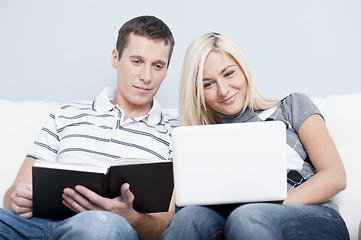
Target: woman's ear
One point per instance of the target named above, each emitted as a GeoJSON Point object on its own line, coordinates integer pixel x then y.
{"type": "Point", "coordinates": [115, 58]}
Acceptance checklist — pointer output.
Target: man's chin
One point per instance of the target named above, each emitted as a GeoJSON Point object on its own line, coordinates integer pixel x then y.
{"type": "Point", "coordinates": [141, 101]}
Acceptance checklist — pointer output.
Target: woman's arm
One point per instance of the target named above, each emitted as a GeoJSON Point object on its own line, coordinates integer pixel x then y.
{"type": "Point", "coordinates": [330, 178]}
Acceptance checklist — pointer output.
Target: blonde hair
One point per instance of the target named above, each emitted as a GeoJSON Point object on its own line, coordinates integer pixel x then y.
{"type": "Point", "coordinates": [193, 110]}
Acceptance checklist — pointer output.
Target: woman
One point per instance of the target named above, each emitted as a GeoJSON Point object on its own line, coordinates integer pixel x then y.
{"type": "Point", "coordinates": [217, 86]}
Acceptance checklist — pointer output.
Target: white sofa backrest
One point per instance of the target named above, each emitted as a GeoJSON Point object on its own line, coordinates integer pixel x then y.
{"type": "Point", "coordinates": [343, 119]}
{"type": "Point", "coordinates": [20, 122]}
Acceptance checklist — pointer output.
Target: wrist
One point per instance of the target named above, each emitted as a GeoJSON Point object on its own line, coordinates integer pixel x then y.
{"type": "Point", "coordinates": [133, 218]}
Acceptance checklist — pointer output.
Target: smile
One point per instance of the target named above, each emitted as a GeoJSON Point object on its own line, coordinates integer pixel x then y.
{"type": "Point", "coordinates": [230, 99]}
{"type": "Point", "coordinates": [143, 89]}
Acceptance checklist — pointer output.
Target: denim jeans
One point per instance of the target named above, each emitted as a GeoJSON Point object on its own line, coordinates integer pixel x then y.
{"type": "Point", "coordinates": [258, 221]}
{"type": "Point", "coordinates": [86, 225]}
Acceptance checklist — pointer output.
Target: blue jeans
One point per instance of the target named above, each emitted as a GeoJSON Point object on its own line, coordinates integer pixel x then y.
{"type": "Point", "coordinates": [86, 225]}
{"type": "Point", "coordinates": [258, 221]}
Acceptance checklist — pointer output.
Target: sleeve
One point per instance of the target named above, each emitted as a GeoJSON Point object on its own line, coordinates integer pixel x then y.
{"type": "Point", "coordinates": [46, 144]}
{"type": "Point", "coordinates": [297, 107]}
{"type": "Point", "coordinates": [173, 122]}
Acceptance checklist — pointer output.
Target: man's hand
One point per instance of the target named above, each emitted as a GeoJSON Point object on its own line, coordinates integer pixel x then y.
{"type": "Point", "coordinates": [148, 226]}
{"type": "Point", "coordinates": [21, 200]}
{"type": "Point", "coordinates": [82, 199]}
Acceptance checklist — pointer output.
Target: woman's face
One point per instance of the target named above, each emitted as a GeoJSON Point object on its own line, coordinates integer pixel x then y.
{"type": "Point", "coordinates": [224, 83]}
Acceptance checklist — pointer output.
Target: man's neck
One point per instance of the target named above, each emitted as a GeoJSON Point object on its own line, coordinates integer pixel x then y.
{"type": "Point", "coordinates": [132, 110]}
{"type": "Point", "coordinates": [134, 113]}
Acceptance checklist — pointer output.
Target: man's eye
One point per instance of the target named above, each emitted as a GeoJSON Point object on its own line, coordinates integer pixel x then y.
{"type": "Point", "coordinates": [158, 66]}
{"type": "Point", "coordinates": [136, 61]}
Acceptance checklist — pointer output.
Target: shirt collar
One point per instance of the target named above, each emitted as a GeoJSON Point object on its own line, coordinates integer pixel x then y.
{"type": "Point", "coordinates": [102, 103]}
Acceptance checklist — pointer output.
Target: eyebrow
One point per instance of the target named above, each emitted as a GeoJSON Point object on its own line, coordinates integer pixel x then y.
{"type": "Point", "coordinates": [161, 62]}
{"type": "Point", "coordinates": [223, 70]}
{"type": "Point", "coordinates": [157, 61]}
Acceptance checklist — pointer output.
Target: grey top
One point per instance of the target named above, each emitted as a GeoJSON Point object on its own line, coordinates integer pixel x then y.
{"type": "Point", "coordinates": [293, 110]}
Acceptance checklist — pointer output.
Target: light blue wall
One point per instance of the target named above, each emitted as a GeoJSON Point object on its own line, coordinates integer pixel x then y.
{"type": "Point", "coordinates": [60, 50]}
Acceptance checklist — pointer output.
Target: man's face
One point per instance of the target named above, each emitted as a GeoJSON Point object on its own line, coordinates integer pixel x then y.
{"type": "Point", "coordinates": [140, 72]}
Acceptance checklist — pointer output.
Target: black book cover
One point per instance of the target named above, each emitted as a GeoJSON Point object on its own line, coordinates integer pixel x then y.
{"type": "Point", "coordinates": [151, 184]}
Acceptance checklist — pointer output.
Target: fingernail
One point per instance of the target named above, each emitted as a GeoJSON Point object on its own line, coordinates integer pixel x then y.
{"type": "Point", "coordinates": [78, 188]}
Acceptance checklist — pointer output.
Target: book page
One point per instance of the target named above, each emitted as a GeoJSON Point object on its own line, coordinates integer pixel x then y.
{"type": "Point", "coordinates": [134, 161]}
{"type": "Point", "coordinates": [70, 166]}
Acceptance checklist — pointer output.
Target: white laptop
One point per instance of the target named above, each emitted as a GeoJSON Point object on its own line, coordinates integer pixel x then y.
{"type": "Point", "coordinates": [229, 163]}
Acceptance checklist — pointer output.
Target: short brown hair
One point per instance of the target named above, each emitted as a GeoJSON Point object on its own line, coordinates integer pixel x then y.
{"type": "Point", "coordinates": [146, 26]}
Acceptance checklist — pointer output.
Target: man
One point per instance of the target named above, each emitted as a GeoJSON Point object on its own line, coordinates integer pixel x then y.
{"type": "Point", "coordinates": [126, 122]}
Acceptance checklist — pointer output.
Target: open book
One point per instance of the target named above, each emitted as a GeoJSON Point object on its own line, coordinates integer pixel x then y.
{"type": "Point", "coordinates": [150, 181]}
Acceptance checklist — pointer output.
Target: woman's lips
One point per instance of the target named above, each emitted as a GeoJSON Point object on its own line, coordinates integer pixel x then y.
{"type": "Point", "coordinates": [230, 99]}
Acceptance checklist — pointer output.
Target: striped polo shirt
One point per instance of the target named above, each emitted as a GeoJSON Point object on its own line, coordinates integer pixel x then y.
{"type": "Point", "coordinates": [94, 132]}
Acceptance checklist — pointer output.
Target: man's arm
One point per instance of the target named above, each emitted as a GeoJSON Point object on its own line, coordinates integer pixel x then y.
{"type": "Point", "coordinates": [148, 226]}
{"type": "Point", "coordinates": [151, 226]}
{"type": "Point", "coordinates": [19, 197]}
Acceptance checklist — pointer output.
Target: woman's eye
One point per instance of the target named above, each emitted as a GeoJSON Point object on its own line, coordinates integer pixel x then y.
{"type": "Point", "coordinates": [207, 85]}
{"type": "Point", "coordinates": [229, 74]}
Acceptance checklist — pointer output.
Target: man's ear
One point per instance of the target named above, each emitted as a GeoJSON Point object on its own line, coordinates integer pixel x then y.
{"type": "Point", "coordinates": [115, 58]}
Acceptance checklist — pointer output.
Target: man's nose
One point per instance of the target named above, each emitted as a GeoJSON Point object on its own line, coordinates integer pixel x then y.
{"type": "Point", "coordinates": [146, 74]}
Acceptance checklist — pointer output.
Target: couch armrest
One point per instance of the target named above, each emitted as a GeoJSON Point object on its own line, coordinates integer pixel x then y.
{"type": "Point", "coordinates": [20, 122]}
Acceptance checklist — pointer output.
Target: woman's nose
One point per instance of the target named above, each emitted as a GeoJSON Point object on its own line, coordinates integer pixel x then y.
{"type": "Point", "coordinates": [223, 89]}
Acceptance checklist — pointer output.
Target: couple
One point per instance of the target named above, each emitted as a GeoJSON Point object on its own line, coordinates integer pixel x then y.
{"type": "Point", "coordinates": [216, 87]}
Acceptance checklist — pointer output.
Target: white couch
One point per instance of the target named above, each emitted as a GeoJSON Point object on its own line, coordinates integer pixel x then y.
{"type": "Point", "coordinates": [21, 121]}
